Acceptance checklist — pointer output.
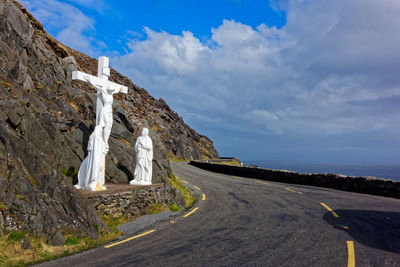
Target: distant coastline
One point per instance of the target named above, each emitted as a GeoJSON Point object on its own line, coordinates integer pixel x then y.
{"type": "Point", "coordinates": [389, 171]}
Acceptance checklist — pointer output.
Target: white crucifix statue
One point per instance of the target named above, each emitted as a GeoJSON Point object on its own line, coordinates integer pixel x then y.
{"type": "Point", "coordinates": [91, 174]}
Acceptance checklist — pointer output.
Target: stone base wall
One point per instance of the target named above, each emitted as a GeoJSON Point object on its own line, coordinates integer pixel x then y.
{"type": "Point", "coordinates": [135, 202]}
{"type": "Point", "coordinates": [367, 185]}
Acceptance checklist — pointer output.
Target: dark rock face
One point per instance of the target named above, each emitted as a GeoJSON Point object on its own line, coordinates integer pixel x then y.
{"type": "Point", "coordinates": [45, 122]}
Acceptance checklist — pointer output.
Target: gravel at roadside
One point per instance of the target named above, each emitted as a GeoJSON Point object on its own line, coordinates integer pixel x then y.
{"type": "Point", "coordinates": [145, 221]}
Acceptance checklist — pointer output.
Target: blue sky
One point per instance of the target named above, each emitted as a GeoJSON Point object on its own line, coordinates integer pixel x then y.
{"type": "Point", "coordinates": [292, 80]}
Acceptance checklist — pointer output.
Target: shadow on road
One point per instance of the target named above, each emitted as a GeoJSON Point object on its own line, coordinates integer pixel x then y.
{"type": "Point", "coordinates": [376, 229]}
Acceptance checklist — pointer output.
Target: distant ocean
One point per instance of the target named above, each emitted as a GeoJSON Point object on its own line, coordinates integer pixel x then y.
{"type": "Point", "coordinates": [383, 171]}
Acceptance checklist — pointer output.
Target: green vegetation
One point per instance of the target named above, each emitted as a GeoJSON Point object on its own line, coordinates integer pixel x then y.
{"type": "Point", "coordinates": [12, 254]}
{"type": "Point", "coordinates": [16, 236]}
{"type": "Point", "coordinates": [69, 173]}
{"type": "Point", "coordinates": [72, 240]}
{"type": "Point", "coordinates": [173, 207]}
{"type": "Point", "coordinates": [3, 207]}
{"type": "Point", "coordinates": [177, 159]}
{"type": "Point", "coordinates": [64, 172]}
{"type": "Point", "coordinates": [157, 208]}
{"type": "Point", "coordinates": [185, 193]}
{"type": "Point", "coordinates": [205, 154]}
{"type": "Point", "coordinates": [172, 158]}
{"type": "Point", "coordinates": [6, 84]}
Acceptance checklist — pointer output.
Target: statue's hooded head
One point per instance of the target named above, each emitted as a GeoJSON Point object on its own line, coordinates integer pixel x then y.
{"type": "Point", "coordinates": [145, 132]}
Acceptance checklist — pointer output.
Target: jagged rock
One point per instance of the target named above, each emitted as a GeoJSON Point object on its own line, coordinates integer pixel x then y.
{"type": "Point", "coordinates": [56, 240]}
{"type": "Point", "coordinates": [26, 243]}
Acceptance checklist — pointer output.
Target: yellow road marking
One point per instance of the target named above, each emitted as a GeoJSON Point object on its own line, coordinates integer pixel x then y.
{"type": "Point", "coordinates": [193, 210]}
{"type": "Point", "coordinates": [329, 209]}
{"type": "Point", "coordinates": [291, 190]}
{"type": "Point", "coordinates": [185, 181]}
{"type": "Point", "coordinates": [260, 182]}
{"type": "Point", "coordinates": [128, 239]}
{"type": "Point", "coordinates": [204, 196]}
{"type": "Point", "coordinates": [351, 262]}
{"type": "Point", "coordinates": [294, 191]}
{"type": "Point", "coordinates": [196, 187]}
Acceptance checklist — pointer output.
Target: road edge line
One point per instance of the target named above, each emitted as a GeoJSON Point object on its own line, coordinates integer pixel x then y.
{"type": "Point", "coordinates": [193, 210]}
{"type": "Point", "coordinates": [129, 239]}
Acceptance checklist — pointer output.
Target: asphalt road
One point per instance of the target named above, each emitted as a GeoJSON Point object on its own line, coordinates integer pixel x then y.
{"type": "Point", "coordinates": [253, 223]}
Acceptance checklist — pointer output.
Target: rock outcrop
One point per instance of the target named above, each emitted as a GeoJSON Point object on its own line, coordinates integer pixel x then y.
{"type": "Point", "coordinates": [45, 122]}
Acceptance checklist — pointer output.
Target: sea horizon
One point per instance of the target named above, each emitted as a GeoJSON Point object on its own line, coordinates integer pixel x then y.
{"type": "Point", "coordinates": [379, 170]}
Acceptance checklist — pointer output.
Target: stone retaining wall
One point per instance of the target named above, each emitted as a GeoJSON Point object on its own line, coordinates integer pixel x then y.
{"type": "Point", "coordinates": [367, 185]}
{"type": "Point", "coordinates": [133, 202]}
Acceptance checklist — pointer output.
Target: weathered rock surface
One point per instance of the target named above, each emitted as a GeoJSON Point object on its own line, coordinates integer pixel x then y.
{"type": "Point", "coordinates": [134, 202]}
{"type": "Point", "coordinates": [45, 122]}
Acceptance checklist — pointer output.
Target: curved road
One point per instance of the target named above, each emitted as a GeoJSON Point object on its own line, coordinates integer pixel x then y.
{"type": "Point", "coordinates": [251, 222]}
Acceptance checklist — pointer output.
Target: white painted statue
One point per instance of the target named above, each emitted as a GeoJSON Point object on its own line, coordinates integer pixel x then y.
{"type": "Point", "coordinates": [144, 157]}
{"type": "Point", "coordinates": [92, 170]}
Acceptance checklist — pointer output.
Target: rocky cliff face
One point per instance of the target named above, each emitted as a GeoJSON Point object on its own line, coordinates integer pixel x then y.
{"type": "Point", "coordinates": [46, 119]}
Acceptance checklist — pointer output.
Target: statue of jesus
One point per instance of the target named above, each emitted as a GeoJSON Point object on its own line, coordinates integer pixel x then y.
{"type": "Point", "coordinates": [104, 110]}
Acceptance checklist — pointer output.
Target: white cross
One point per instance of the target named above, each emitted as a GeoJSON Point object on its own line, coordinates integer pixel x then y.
{"type": "Point", "coordinates": [103, 72]}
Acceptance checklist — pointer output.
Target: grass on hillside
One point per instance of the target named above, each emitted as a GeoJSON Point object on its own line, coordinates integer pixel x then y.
{"type": "Point", "coordinates": [185, 193]}
{"type": "Point", "coordinates": [232, 162]}
{"type": "Point", "coordinates": [11, 253]}
{"type": "Point", "coordinates": [179, 160]}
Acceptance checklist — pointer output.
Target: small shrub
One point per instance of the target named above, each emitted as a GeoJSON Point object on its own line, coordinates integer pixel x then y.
{"type": "Point", "coordinates": [7, 84]}
{"type": "Point", "coordinates": [156, 208]}
{"type": "Point", "coordinates": [72, 240]}
{"type": "Point", "coordinates": [173, 207]}
{"type": "Point", "coordinates": [46, 255]}
{"type": "Point", "coordinates": [3, 207]}
{"type": "Point", "coordinates": [185, 193]}
{"type": "Point", "coordinates": [16, 236]}
{"type": "Point", "coordinates": [71, 172]}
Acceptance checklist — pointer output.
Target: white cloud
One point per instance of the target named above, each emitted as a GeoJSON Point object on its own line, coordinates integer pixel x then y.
{"type": "Point", "coordinates": [331, 69]}
{"type": "Point", "coordinates": [69, 25]}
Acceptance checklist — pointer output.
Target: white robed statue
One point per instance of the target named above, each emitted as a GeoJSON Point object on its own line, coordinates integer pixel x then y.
{"type": "Point", "coordinates": [144, 157]}
{"type": "Point", "coordinates": [91, 172]}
